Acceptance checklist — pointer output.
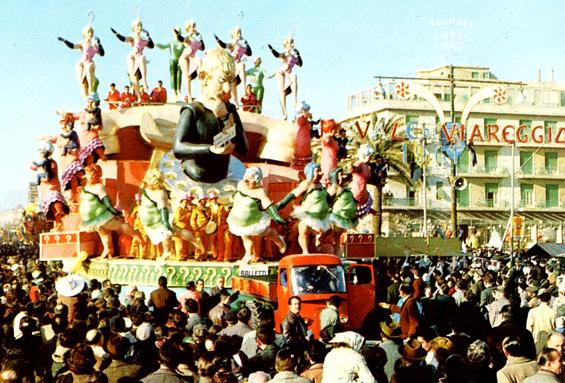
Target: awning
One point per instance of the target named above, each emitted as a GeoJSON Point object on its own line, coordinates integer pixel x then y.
{"type": "Point", "coordinates": [547, 249]}
{"type": "Point", "coordinates": [466, 216]}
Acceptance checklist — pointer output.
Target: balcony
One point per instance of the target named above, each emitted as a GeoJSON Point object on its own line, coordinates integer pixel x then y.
{"type": "Point", "coordinates": [405, 202]}
{"type": "Point", "coordinates": [492, 203]}
{"type": "Point", "coordinates": [541, 173]}
{"type": "Point", "coordinates": [483, 172]}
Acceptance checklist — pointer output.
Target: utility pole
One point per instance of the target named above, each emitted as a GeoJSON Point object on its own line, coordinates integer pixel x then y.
{"type": "Point", "coordinates": [454, 228]}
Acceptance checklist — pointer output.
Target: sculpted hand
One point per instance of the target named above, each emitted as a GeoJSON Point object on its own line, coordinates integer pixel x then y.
{"type": "Point", "coordinates": [223, 150]}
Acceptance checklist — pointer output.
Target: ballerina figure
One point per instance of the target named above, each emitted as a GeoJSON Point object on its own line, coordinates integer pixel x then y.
{"type": "Point", "coordinates": [98, 214]}
{"type": "Point", "coordinates": [136, 62]}
{"type": "Point", "coordinates": [250, 216]}
{"type": "Point", "coordinates": [238, 48]}
{"type": "Point", "coordinates": [154, 215]}
{"type": "Point", "coordinates": [188, 62]}
{"type": "Point", "coordinates": [90, 46]}
{"type": "Point", "coordinates": [287, 81]}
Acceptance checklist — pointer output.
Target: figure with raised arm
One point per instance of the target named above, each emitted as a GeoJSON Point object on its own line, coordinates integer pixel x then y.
{"type": "Point", "coordinates": [52, 202]}
{"type": "Point", "coordinates": [251, 214]}
{"type": "Point", "coordinates": [188, 62]}
{"type": "Point", "coordinates": [90, 121]}
{"type": "Point", "coordinates": [201, 121]}
{"type": "Point", "coordinates": [255, 77]}
{"type": "Point", "coordinates": [175, 48]}
{"type": "Point", "coordinates": [136, 62]}
{"type": "Point", "coordinates": [287, 81]}
{"type": "Point", "coordinates": [98, 214]}
{"type": "Point", "coordinates": [154, 213]}
{"type": "Point", "coordinates": [90, 46]}
{"type": "Point", "coordinates": [239, 48]}
{"type": "Point", "coordinates": [343, 211]}
{"type": "Point", "coordinates": [313, 214]}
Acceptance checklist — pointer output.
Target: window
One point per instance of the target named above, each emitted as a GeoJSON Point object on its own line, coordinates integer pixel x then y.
{"type": "Point", "coordinates": [550, 162]}
{"type": "Point", "coordinates": [474, 74]}
{"type": "Point", "coordinates": [486, 75]}
{"type": "Point", "coordinates": [486, 123]}
{"type": "Point", "coordinates": [447, 96]}
{"type": "Point", "coordinates": [463, 163]}
{"type": "Point", "coordinates": [526, 195]}
{"type": "Point", "coordinates": [463, 197]}
{"type": "Point", "coordinates": [490, 161]}
{"type": "Point", "coordinates": [526, 162]}
{"type": "Point", "coordinates": [360, 275]}
{"type": "Point", "coordinates": [439, 190]}
{"type": "Point", "coordinates": [549, 125]}
{"type": "Point", "coordinates": [317, 279]}
{"type": "Point", "coordinates": [410, 196]}
{"type": "Point", "coordinates": [528, 123]}
{"type": "Point", "coordinates": [551, 195]}
{"type": "Point", "coordinates": [562, 99]}
{"type": "Point", "coordinates": [491, 191]}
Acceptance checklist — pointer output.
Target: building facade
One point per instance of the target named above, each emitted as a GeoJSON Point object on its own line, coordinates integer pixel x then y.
{"type": "Point", "coordinates": [520, 143]}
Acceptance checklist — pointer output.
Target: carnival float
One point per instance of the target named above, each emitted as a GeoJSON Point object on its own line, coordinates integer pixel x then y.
{"type": "Point", "coordinates": [197, 186]}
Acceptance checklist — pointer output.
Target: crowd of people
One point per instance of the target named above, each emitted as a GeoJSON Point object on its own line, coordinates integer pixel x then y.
{"type": "Point", "coordinates": [128, 99]}
{"type": "Point", "coordinates": [438, 320]}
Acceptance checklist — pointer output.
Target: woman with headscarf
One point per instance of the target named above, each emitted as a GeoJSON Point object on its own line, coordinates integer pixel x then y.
{"type": "Point", "coordinates": [344, 363]}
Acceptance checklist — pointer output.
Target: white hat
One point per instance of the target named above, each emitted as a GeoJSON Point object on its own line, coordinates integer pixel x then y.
{"type": "Point", "coordinates": [35, 274]}
{"type": "Point", "coordinates": [144, 331]}
{"type": "Point", "coordinates": [70, 285]}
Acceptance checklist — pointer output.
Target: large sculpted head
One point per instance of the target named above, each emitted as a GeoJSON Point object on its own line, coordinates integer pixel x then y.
{"type": "Point", "coordinates": [216, 73]}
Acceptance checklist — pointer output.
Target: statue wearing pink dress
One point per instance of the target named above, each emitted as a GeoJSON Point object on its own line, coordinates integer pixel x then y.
{"type": "Point", "coordinates": [330, 147]}
{"type": "Point", "coordinates": [302, 147]}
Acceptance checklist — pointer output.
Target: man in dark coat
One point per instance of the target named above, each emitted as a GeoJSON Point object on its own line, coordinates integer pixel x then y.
{"type": "Point", "coordinates": [163, 301]}
{"type": "Point", "coordinates": [294, 327]}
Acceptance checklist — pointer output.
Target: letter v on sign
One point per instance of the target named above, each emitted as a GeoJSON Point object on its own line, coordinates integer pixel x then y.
{"type": "Point", "coordinates": [360, 132]}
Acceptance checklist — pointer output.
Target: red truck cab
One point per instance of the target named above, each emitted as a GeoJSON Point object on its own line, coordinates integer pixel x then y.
{"type": "Point", "coordinates": [315, 278]}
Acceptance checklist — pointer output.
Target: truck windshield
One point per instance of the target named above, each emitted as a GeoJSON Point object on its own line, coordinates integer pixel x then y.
{"type": "Point", "coordinates": [317, 279]}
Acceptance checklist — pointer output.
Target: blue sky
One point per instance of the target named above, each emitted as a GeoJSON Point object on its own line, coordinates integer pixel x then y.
{"type": "Point", "coordinates": [343, 45]}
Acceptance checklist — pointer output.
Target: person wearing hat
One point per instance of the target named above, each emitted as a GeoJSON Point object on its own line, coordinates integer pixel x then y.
{"type": "Point", "coordinates": [198, 222]}
{"type": "Point", "coordinates": [138, 248]}
{"type": "Point", "coordinates": [344, 363]}
{"type": "Point", "coordinates": [118, 348]}
{"type": "Point", "coordinates": [390, 335]}
{"type": "Point", "coordinates": [182, 221]}
{"type": "Point", "coordinates": [412, 368]}
{"type": "Point", "coordinates": [68, 289]}
{"type": "Point", "coordinates": [211, 229]}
